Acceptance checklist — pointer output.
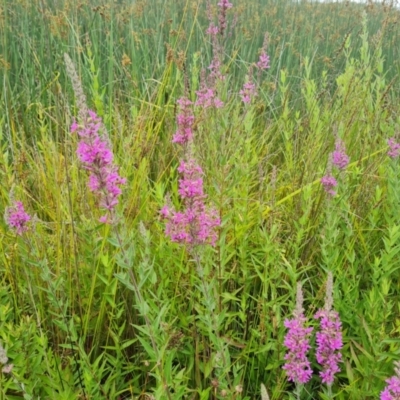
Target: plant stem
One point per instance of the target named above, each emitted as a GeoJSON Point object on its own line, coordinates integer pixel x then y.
{"type": "Point", "coordinates": [140, 300]}
{"type": "Point", "coordinates": [330, 391]}
{"type": "Point", "coordinates": [298, 391]}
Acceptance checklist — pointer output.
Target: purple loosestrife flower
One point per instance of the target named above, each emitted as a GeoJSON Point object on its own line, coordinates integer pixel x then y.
{"type": "Point", "coordinates": [212, 29]}
{"type": "Point", "coordinates": [392, 390]}
{"type": "Point", "coordinates": [329, 342]}
{"type": "Point", "coordinates": [263, 61]}
{"type": "Point", "coordinates": [248, 92]}
{"type": "Point", "coordinates": [329, 183]}
{"type": "Point", "coordinates": [394, 151]}
{"type": "Point", "coordinates": [195, 225]}
{"type": "Point", "coordinates": [224, 5]}
{"type": "Point", "coordinates": [185, 121]}
{"type": "Point", "coordinates": [215, 68]}
{"type": "Point", "coordinates": [206, 98]}
{"type": "Point", "coordinates": [339, 157]}
{"type": "Point", "coordinates": [297, 366]}
{"type": "Point", "coordinates": [17, 218]}
{"type": "Point", "coordinates": [329, 339]}
{"type": "Point", "coordinates": [94, 151]}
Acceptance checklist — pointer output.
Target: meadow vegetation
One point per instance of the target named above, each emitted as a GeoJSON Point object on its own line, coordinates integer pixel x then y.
{"type": "Point", "coordinates": [166, 222]}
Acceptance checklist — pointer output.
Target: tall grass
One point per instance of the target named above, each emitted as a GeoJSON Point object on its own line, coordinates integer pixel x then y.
{"type": "Point", "coordinates": [73, 321]}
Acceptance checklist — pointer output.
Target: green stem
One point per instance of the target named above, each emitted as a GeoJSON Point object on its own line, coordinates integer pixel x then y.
{"type": "Point", "coordinates": [330, 392]}
{"type": "Point", "coordinates": [297, 391]}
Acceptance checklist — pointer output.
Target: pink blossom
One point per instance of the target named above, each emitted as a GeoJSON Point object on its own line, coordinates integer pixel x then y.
{"type": "Point", "coordinates": [297, 341]}
{"type": "Point", "coordinates": [195, 225]}
{"type": "Point", "coordinates": [297, 367]}
{"type": "Point", "coordinates": [191, 186]}
{"type": "Point", "coordinates": [215, 69]}
{"type": "Point", "coordinates": [339, 157]}
{"type": "Point", "coordinates": [248, 92]}
{"type": "Point", "coordinates": [96, 155]}
{"type": "Point", "coordinates": [263, 62]}
{"type": "Point", "coordinates": [329, 183]}
{"type": "Point", "coordinates": [392, 391]}
{"type": "Point", "coordinates": [212, 30]}
{"type": "Point", "coordinates": [74, 127]}
{"type": "Point", "coordinates": [329, 344]}
{"type": "Point", "coordinates": [17, 218]}
{"type": "Point", "coordinates": [225, 4]}
{"type": "Point", "coordinates": [394, 151]}
{"type": "Point", "coordinates": [206, 98]}
{"type": "Point", "coordinates": [185, 121]}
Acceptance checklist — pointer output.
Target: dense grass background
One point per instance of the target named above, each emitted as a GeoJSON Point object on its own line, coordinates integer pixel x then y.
{"type": "Point", "coordinates": [70, 319]}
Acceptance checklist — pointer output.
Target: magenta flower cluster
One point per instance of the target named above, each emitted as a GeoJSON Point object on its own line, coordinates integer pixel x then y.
{"type": "Point", "coordinates": [340, 160]}
{"type": "Point", "coordinates": [185, 121]}
{"type": "Point", "coordinates": [328, 338]}
{"type": "Point", "coordinates": [329, 344]}
{"type": "Point", "coordinates": [339, 157]}
{"type": "Point", "coordinates": [207, 94]}
{"type": "Point", "coordinates": [224, 5]}
{"type": "Point", "coordinates": [94, 151]}
{"type": "Point", "coordinates": [206, 97]}
{"type": "Point", "coordinates": [329, 183]}
{"type": "Point", "coordinates": [394, 151]}
{"type": "Point", "coordinates": [392, 390]}
{"type": "Point", "coordinates": [263, 62]}
{"type": "Point", "coordinates": [297, 341]}
{"type": "Point", "coordinates": [248, 92]}
{"type": "Point", "coordinates": [212, 29]}
{"type": "Point", "coordinates": [195, 225]}
{"type": "Point", "coordinates": [17, 218]}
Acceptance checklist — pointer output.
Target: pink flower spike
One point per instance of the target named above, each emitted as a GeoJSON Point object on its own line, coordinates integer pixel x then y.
{"type": "Point", "coordinates": [194, 225]}
{"type": "Point", "coordinates": [225, 4]}
{"type": "Point", "coordinates": [263, 62]}
{"type": "Point", "coordinates": [185, 122]}
{"type": "Point", "coordinates": [339, 157]}
{"type": "Point", "coordinates": [248, 92]}
{"type": "Point", "coordinates": [206, 98]}
{"type": "Point", "coordinates": [16, 218]}
{"type": "Point", "coordinates": [297, 341]}
{"type": "Point", "coordinates": [74, 127]}
{"type": "Point", "coordinates": [394, 151]}
{"type": "Point", "coordinates": [329, 343]}
{"type": "Point", "coordinates": [104, 219]}
{"type": "Point", "coordinates": [94, 152]}
{"type": "Point", "coordinates": [329, 183]}
{"type": "Point", "coordinates": [392, 390]}
{"type": "Point", "coordinates": [329, 339]}
{"type": "Point", "coordinates": [212, 30]}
